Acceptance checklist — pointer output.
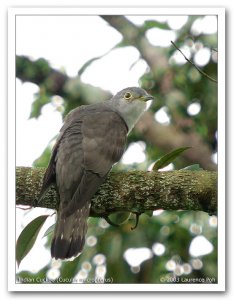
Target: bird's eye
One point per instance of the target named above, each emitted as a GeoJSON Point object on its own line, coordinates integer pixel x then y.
{"type": "Point", "coordinates": [127, 96]}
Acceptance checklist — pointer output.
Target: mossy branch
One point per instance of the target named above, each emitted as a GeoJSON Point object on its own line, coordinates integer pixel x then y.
{"type": "Point", "coordinates": [134, 191]}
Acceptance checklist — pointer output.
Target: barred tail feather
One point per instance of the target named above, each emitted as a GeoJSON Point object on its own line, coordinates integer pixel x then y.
{"type": "Point", "coordinates": [69, 236]}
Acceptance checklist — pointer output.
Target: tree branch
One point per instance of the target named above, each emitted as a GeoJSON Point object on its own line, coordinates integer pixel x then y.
{"type": "Point", "coordinates": [193, 64]}
{"type": "Point", "coordinates": [169, 137]}
{"type": "Point", "coordinates": [133, 36]}
{"type": "Point", "coordinates": [57, 83]}
{"type": "Point", "coordinates": [134, 191]}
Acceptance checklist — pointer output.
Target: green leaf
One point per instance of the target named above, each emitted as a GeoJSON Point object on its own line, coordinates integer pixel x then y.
{"type": "Point", "coordinates": [37, 106]}
{"type": "Point", "coordinates": [49, 230]}
{"type": "Point", "coordinates": [44, 159]}
{"type": "Point", "coordinates": [168, 158]}
{"type": "Point", "coordinates": [152, 24]}
{"type": "Point", "coordinates": [28, 237]}
{"type": "Point", "coordinates": [195, 167]}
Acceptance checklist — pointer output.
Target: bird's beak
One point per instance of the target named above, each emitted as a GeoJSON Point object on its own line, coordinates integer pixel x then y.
{"type": "Point", "coordinates": [147, 98]}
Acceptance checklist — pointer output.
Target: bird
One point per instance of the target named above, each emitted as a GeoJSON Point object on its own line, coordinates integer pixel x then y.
{"type": "Point", "coordinates": [91, 140]}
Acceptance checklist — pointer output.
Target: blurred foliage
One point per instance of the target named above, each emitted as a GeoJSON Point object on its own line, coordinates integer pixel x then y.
{"type": "Point", "coordinates": [106, 245]}
{"type": "Point", "coordinates": [176, 88]}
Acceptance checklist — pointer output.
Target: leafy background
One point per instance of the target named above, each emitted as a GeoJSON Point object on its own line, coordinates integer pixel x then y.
{"type": "Point", "coordinates": [169, 246]}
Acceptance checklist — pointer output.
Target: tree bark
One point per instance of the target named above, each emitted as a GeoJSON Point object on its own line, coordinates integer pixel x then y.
{"type": "Point", "coordinates": [134, 191]}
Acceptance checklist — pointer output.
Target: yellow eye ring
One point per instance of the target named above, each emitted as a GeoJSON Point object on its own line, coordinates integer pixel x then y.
{"type": "Point", "coordinates": [127, 96]}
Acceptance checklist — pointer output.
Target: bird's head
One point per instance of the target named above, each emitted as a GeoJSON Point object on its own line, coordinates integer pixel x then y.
{"type": "Point", "coordinates": [132, 94]}
{"type": "Point", "coordinates": [130, 103]}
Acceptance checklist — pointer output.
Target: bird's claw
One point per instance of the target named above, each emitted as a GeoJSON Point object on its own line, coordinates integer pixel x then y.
{"type": "Point", "coordinates": [137, 220]}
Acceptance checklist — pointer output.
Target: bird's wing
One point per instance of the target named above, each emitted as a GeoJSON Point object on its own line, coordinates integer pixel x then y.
{"type": "Point", "coordinates": [50, 173]}
{"type": "Point", "coordinates": [103, 136]}
{"type": "Point", "coordinates": [70, 230]}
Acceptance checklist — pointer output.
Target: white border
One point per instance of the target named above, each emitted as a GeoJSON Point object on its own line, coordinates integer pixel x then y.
{"type": "Point", "coordinates": [12, 12]}
{"type": "Point", "coordinates": [11, 149]}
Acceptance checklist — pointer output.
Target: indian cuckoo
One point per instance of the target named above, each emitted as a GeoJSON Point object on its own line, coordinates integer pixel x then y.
{"type": "Point", "coordinates": [90, 142]}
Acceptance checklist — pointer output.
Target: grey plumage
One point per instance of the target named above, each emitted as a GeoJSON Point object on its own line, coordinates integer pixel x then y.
{"type": "Point", "coordinates": [91, 140]}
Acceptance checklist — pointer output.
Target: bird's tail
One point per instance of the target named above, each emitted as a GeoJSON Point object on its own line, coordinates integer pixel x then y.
{"type": "Point", "coordinates": [70, 231]}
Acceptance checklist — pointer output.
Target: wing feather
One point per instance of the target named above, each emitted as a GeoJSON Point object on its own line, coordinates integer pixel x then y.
{"type": "Point", "coordinates": [104, 138]}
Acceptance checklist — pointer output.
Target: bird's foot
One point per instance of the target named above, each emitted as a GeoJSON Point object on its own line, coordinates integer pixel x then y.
{"type": "Point", "coordinates": [137, 220]}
